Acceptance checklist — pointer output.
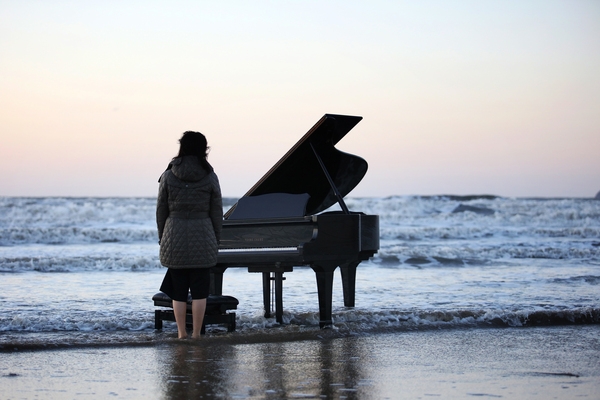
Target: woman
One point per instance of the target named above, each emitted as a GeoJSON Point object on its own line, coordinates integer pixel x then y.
{"type": "Point", "coordinates": [189, 215]}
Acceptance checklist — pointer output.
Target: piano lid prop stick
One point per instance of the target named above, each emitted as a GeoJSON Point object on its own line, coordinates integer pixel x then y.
{"type": "Point", "coordinates": [331, 183]}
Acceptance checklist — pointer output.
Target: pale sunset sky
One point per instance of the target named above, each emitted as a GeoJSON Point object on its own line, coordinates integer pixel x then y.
{"type": "Point", "coordinates": [458, 97]}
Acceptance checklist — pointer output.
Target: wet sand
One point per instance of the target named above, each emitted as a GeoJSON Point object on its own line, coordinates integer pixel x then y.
{"type": "Point", "coordinates": [515, 363]}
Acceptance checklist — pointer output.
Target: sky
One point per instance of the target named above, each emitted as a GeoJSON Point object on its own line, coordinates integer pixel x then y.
{"type": "Point", "coordinates": [457, 97]}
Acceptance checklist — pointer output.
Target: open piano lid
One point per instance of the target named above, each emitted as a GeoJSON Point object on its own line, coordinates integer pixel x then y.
{"type": "Point", "coordinates": [306, 166]}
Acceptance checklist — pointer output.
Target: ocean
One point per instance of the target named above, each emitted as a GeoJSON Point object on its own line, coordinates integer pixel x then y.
{"type": "Point", "coordinates": [82, 271]}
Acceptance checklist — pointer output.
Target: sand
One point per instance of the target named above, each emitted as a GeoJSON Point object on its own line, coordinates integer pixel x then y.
{"type": "Point", "coordinates": [514, 363]}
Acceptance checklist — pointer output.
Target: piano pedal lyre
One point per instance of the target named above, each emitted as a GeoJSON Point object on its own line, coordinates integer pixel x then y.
{"type": "Point", "coordinates": [273, 293]}
{"type": "Point", "coordinates": [274, 278]}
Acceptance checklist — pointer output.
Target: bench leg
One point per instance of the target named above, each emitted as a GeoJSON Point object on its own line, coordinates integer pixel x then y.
{"type": "Point", "coordinates": [157, 319]}
{"type": "Point", "coordinates": [231, 325]}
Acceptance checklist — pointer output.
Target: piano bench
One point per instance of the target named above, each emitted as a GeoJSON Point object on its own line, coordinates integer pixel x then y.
{"type": "Point", "coordinates": [216, 311]}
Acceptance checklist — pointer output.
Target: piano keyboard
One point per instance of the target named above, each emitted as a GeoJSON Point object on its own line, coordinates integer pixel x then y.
{"type": "Point", "coordinates": [256, 249]}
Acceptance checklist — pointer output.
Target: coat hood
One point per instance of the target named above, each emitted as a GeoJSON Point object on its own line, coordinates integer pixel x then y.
{"type": "Point", "coordinates": [188, 169]}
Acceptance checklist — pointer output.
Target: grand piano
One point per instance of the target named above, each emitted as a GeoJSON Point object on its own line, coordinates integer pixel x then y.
{"type": "Point", "coordinates": [282, 222]}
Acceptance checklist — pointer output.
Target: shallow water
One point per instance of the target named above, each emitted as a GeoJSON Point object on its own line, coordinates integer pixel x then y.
{"type": "Point", "coordinates": [89, 266]}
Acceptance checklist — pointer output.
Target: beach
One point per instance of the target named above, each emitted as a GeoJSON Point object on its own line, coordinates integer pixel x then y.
{"type": "Point", "coordinates": [559, 362]}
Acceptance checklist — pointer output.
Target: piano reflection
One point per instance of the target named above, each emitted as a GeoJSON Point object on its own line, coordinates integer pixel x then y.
{"type": "Point", "coordinates": [282, 222]}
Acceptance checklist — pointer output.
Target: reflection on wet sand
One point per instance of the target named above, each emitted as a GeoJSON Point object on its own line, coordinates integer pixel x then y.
{"type": "Point", "coordinates": [192, 370]}
{"type": "Point", "coordinates": [524, 363]}
{"type": "Point", "coordinates": [330, 369]}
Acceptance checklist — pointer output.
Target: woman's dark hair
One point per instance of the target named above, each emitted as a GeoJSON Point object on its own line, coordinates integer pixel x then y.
{"type": "Point", "coordinates": [195, 144]}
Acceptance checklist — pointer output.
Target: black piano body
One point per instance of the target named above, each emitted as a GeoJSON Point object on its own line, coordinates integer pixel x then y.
{"type": "Point", "coordinates": [280, 223]}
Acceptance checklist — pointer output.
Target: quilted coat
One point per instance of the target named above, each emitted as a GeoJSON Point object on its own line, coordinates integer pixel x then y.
{"type": "Point", "coordinates": [189, 215]}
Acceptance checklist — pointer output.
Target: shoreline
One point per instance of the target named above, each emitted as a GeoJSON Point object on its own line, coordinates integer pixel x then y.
{"type": "Point", "coordinates": [11, 342]}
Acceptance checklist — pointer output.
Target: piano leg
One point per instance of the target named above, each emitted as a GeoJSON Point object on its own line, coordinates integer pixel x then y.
{"type": "Point", "coordinates": [266, 279]}
{"type": "Point", "coordinates": [349, 282]}
{"type": "Point", "coordinates": [325, 290]}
